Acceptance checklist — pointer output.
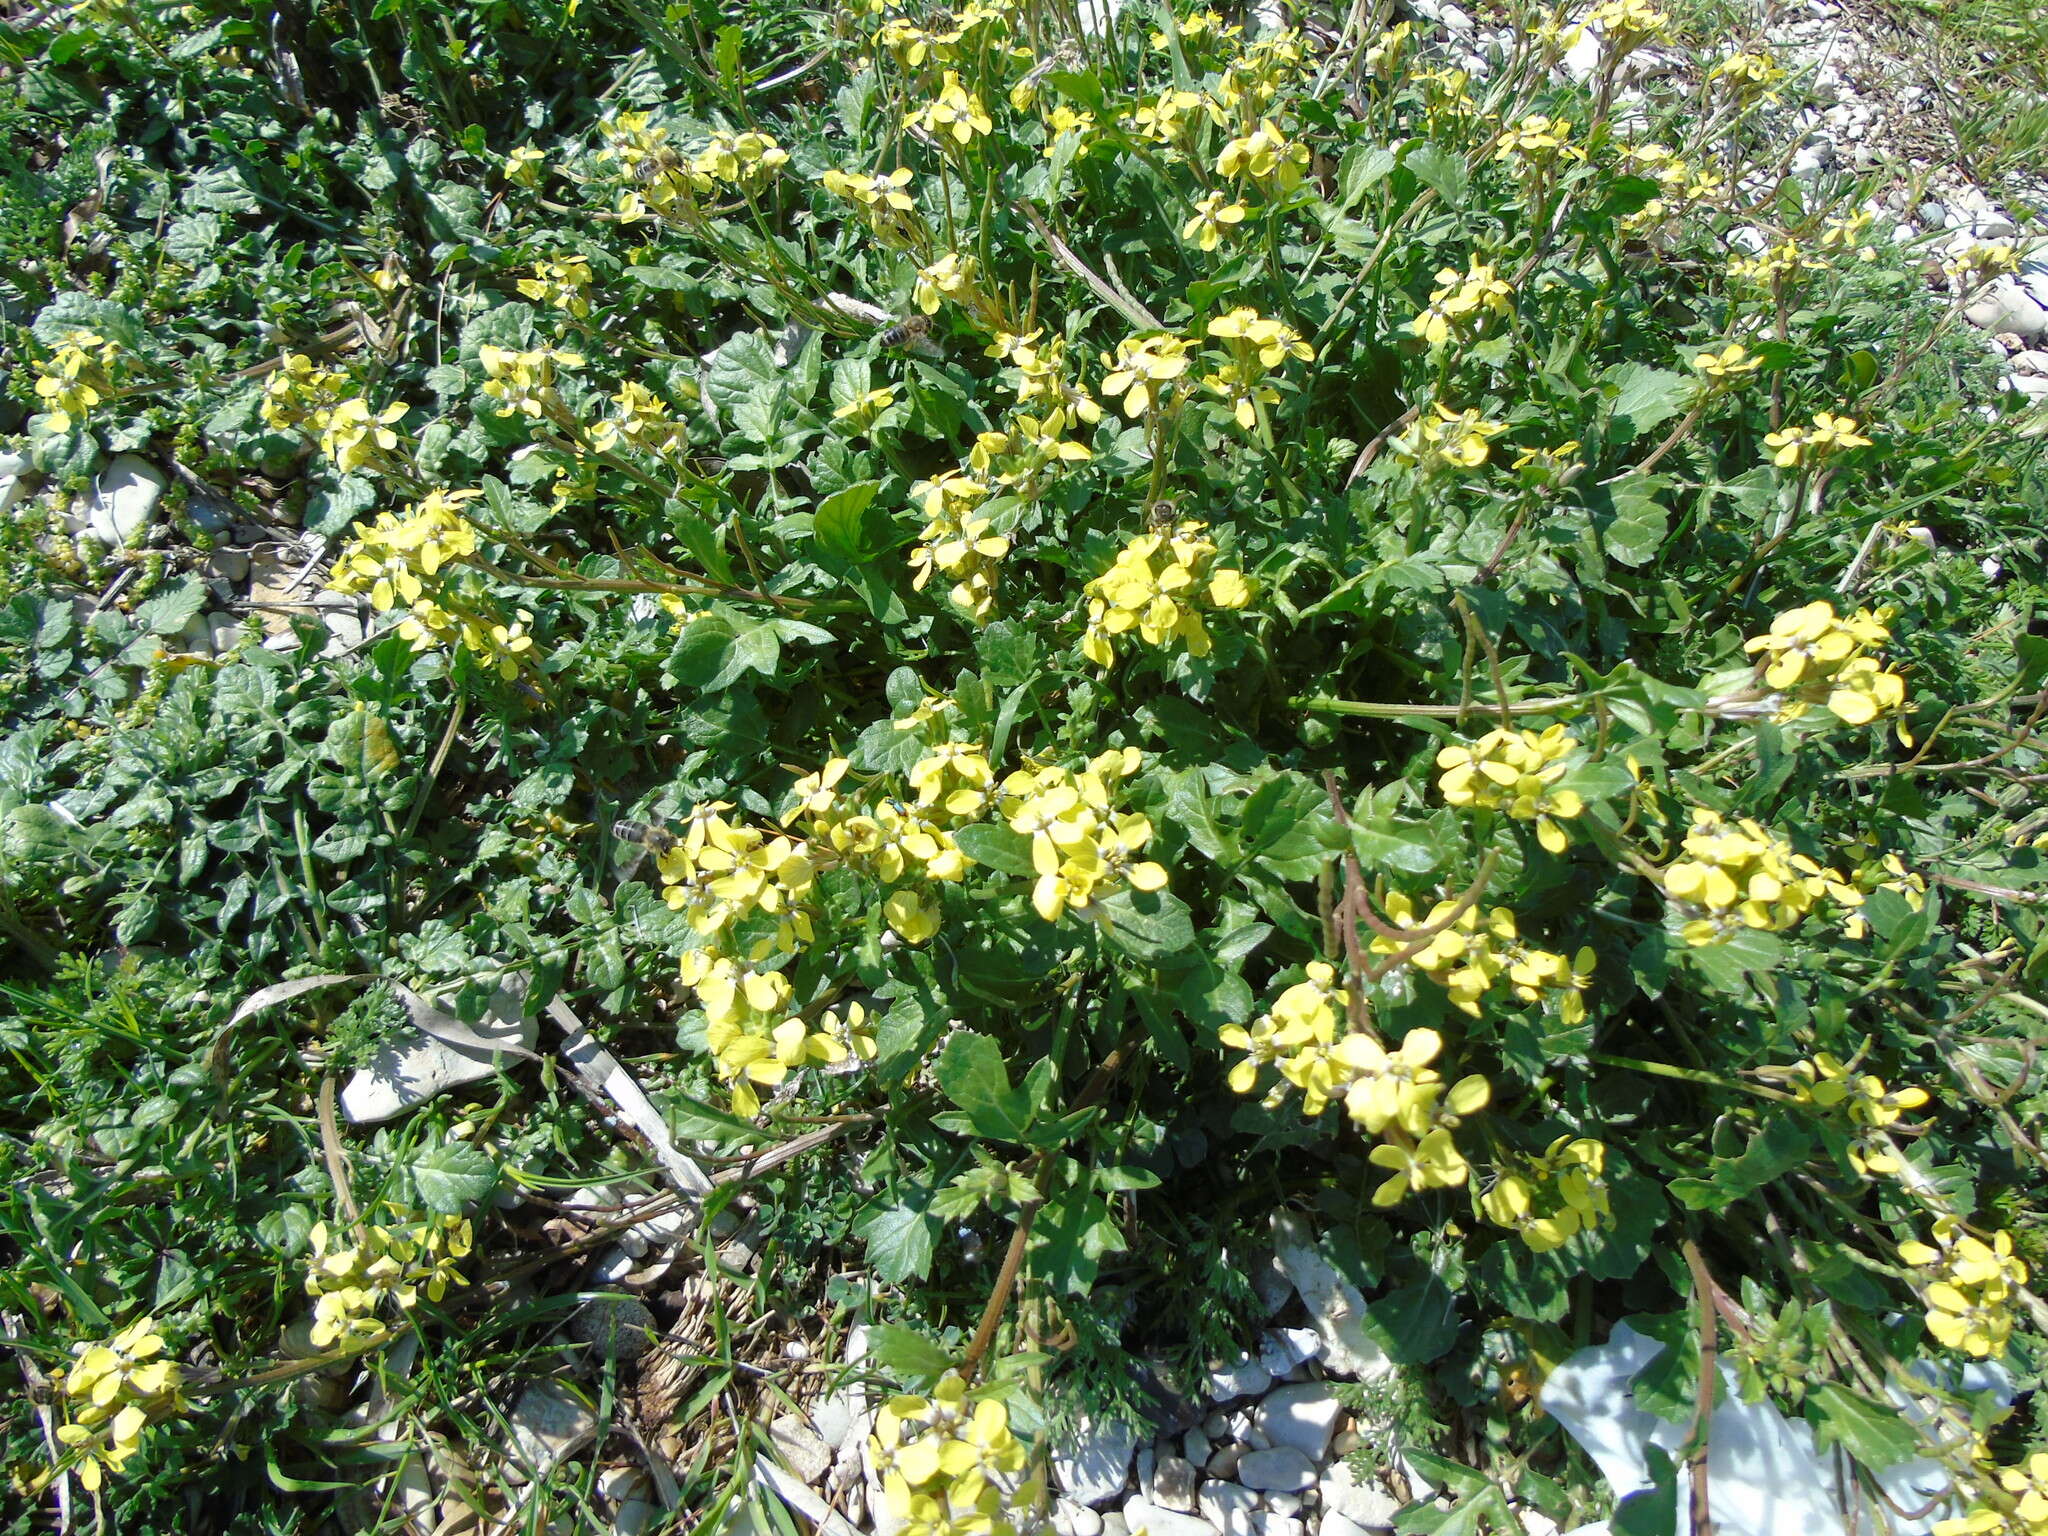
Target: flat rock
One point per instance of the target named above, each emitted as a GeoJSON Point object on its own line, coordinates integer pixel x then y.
{"type": "Point", "coordinates": [124, 499]}
{"type": "Point", "coordinates": [2005, 305]}
{"type": "Point", "coordinates": [1267, 1523]}
{"type": "Point", "coordinates": [14, 471]}
{"type": "Point", "coordinates": [802, 1448]}
{"type": "Point", "coordinates": [1283, 1469]}
{"type": "Point", "coordinates": [1242, 1377]}
{"type": "Point", "coordinates": [1334, 1306]}
{"type": "Point", "coordinates": [1228, 1506]}
{"type": "Point", "coordinates": [1144, 1515]}
{"type": "Point", "coordinates": [1282, 1349]}
{"type": "Point", "coordinates": [1093, 1468]}
{"type": "Point", "coordinates": [1334, 1524]}
{"type": "Point", "coordinates": [549, 1424]}
{"type": "Point", "coordinates": [413, 1066]}
{"type": "Point", "coordinates": [1173, 1484]}
{"type": "Point", "coordinates": [1302, 1416]}
{"type": "Point", "coordinates": [1363, 1504]}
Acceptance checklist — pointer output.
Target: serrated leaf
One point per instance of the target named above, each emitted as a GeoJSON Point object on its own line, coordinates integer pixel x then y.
{"type": "Point", "coordinates": [172, 609]}
{"type": "Point", "coordinates": [1872, 1432]}
{"type": "Point", "coordinates": [971, 1072]}
{"type": "Point", "coordinates": [1643, 397]}
{"type": "Point", "coordinates": [899, 1241]}
{"type": "Point", "coordinates": [1440, 169]}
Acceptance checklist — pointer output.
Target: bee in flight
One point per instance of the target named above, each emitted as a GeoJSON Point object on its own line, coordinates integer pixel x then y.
{"type": "Point", "coordinates": [643, 838]}
{"type": "Point", "coordinates": [912, 335]}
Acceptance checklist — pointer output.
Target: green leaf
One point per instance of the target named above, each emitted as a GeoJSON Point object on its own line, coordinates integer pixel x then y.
{"type": "Point", "coordinates": [1363, 167]}
{"type": "Point", "coordinates": [899, 1241]}
{"type": "Point", "coordinates": [1148, 925]}
{"type": "Point", "coordinates": [689, 1120]}
{"type": "Point", "coordinates": [990, 843]}
{"type": "Point", "coordinates": [971, 1073]}
{"type": "Point", "coordinates": [905, 1356]}
{"type": "Point", "coordinates": [172, 609]}
{"type": "Point", "coordinates": [1783, 1145]}
{"type": "Point", "coordinates": [1440, 169]}
{"type": "Point", "coordinates": [1415, 1324]}
{"type": "Point", "coordinates": [1651, 1511]}
{"type": "Point", "coordinates": [840, 523]}
{"type": "Point", "coordinates": [452, 1177]}
{"type": "Point", "coordinates": [1642, 397]}
{"type": "Point", "coordinates": [1637, 528]}
{"type": "Point", "coordinates": [1871, 1431]}
{"type": "Point", "coordinates": [1072, 1233]}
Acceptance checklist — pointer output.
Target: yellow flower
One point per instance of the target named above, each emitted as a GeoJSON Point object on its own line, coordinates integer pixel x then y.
{"type": "Point", "coordinates": [1460, 303]}
{"type": "Point", "coordinates": [1214, 217]}
{"type": "Point", "coordinates": [1515, 771]}
{"type": "Point", "coordinates": [1748, 71]}
{"type": "Point", "coordinates": [1265, 155]}
{"type": "Point", "coordinates": [523, 166]}
{"type": "Point", "coordinates": [1141, 365]}
{"type": "Point", "coordinates": [950, 277]}
{"type": "Point", "coordinates": [1454, 440]}
{"type": "Point", "coordinates": [954, 113]}
{"type": "Point", "coordinates": [1157, 589]}
{"type": "Point", "coordinates": [1738, 875]}
{"type": "Point", "coordinates": [1802, 446]}
{"type": "Point", "coordinates": [1731, 362]}
{"type": "Point", "coordinates": [1536, 138]}
{"type": "Point", "coordinates": [863, 409]}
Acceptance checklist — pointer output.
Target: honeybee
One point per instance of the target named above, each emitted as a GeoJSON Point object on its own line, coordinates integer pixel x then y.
{"type": "Point", "coordinates": [644, 839]}
{"type": "Point", "coordinates": [913, 334]}
{"type": "Point", "coordinates": [658, 165]}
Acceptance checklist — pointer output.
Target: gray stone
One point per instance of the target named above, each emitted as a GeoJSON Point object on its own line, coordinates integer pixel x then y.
{"type": "Point", "coordinates": [1173, 1484]}
{"type": "Point", "coordinates": [124, 499]}
{"type": "Point", "coordinates": [1362, 1503]}
{"type": "Point", "coordinates": [1195, 1446]}
{"type": "Point", "coordinates": [615, 1325]}
{"type": "Point", "coordinates": [1266, 1523]}
{"type": "Point", "coordinates": [1283, 1503]}
{"type": "Point", "coordinates": [1280, 1470]}
{"type": "Point", "coordinates": [1242, 1377]}
{"type": "Point", "coordinates": [1282, 1349]}
{"type": "Point", "coordinates": [1270, 1283]}
{"type": "Point", "coordinates": [1334, 1524]}
{"type": "Point", "coordinates": [14, 471]}
{"type": "Point", "coordinates": [414, 1066]}
{"type": "Point", "coordinates": [1094, 1467]}
{"type": "Point", "coordinates": [2006, 306]}
{"type": "Point", "coordinates": [224, 632]}
{"type": "Point", "coordinates": [1224, 1459]}
{"type": "Point", "coordinates": [802, 1448]}
{"type": "Point", "coordinates": [1302, 1416]}
{"type": "Point", "coordinates": [835, 1414]}
{"type": "Point", "coordinates": [2031, 362]}
{"type": "Point", "coordinates": [1229, 1507]}
{"type": "Point", "coordinates": [229, 565]}
{"type": "Point", "coordinates": [1334, 1306]}
{"type": "Point", "coordinates": [1114, 1524]}
{"type": "Point", "coordinates": [550, 1423]}
{"type": "Point", "coordinates": [196, 637]}
{"type": "Point", "coordinates": [1143, 1515]}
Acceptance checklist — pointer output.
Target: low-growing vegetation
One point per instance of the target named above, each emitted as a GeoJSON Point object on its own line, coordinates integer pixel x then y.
{"type": "Point", "coordinates": [1059, 633]}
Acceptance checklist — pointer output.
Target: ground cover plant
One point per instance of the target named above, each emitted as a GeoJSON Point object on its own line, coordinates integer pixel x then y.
{"type": "Point", "coordinates": [1063, 634]}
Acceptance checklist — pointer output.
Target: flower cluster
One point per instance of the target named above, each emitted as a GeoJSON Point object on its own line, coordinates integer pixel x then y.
{"type": "Point", "coordinates": [900, 845]}
{"type": "Point", "coordinates": [1453, 440]}
{"type": "Point", "coordinates": [1394, 1095]}
{"type": "Point", "coordinates": [1516, 772]}
{"type": "Point", "coordinates": [721, 873]}
{"type": "Point", "coordinates": [754, 1031]}
{"type": "Point", "coordinates": [1812, 655]}
{"type": "Point", "coordinates": [1537, 140]}
{"type": "Point", "coordinates": [1968, 1287]}
{"type": "Point", "coordinates": [298, 391]}
{"type": "Point", "coordinates": [1212, 221]}
{"type": "Point", "coordinates": [396, 1259]}
{"type": "Point", "coordinates": [949, 1463]}
{"type": "Point", "coordinates": [1256, 346]}
{"type": "Point", "coordinates": [955, 114]}
{"type": "Point", "coordinates": [563, 284]}
{"type": "Point", "coordinates": [1460, 303]}
{"type": "Point", "coordinates": [882, 199]}
{"type": "Point", "coordinates": [1474, 948]}
{"type": "Point", "coordinates": [1266, 157]}
{"type": "Point", "coordinates": [1545, 1200]}
{"type": "Point", "coordinates": [1082, 847]}
{"type": "Point", "coordinates": [356, 435]}
{"type": "Point", "coordinates": [112, 1393]}
{"type": "Point", "coordinates": [523, 383]}
{"type": "Point", "coordinates": [2026, 1488]}
{"type": "Point", "coordinates": [959, 543]}
{"type": "Point", "coordinates": [396, 558]}
{"type": "Point", "coordinates": [1156, 589]}
{"type": "Point", "coordinates": [1748, 71]}
{"type": "Point", "coordinates": [75, 378]}
{"type": "Point", "coordinates": [1737, 875]}
{"type": "Point", "coordinates": [1141, 368]}
{"type": "Point", "coordinates": [742, 160]}
{"type": "Point", "coordinates": [1862, 1102]}
{"type": "Point", "coordinates": [643, 421]}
